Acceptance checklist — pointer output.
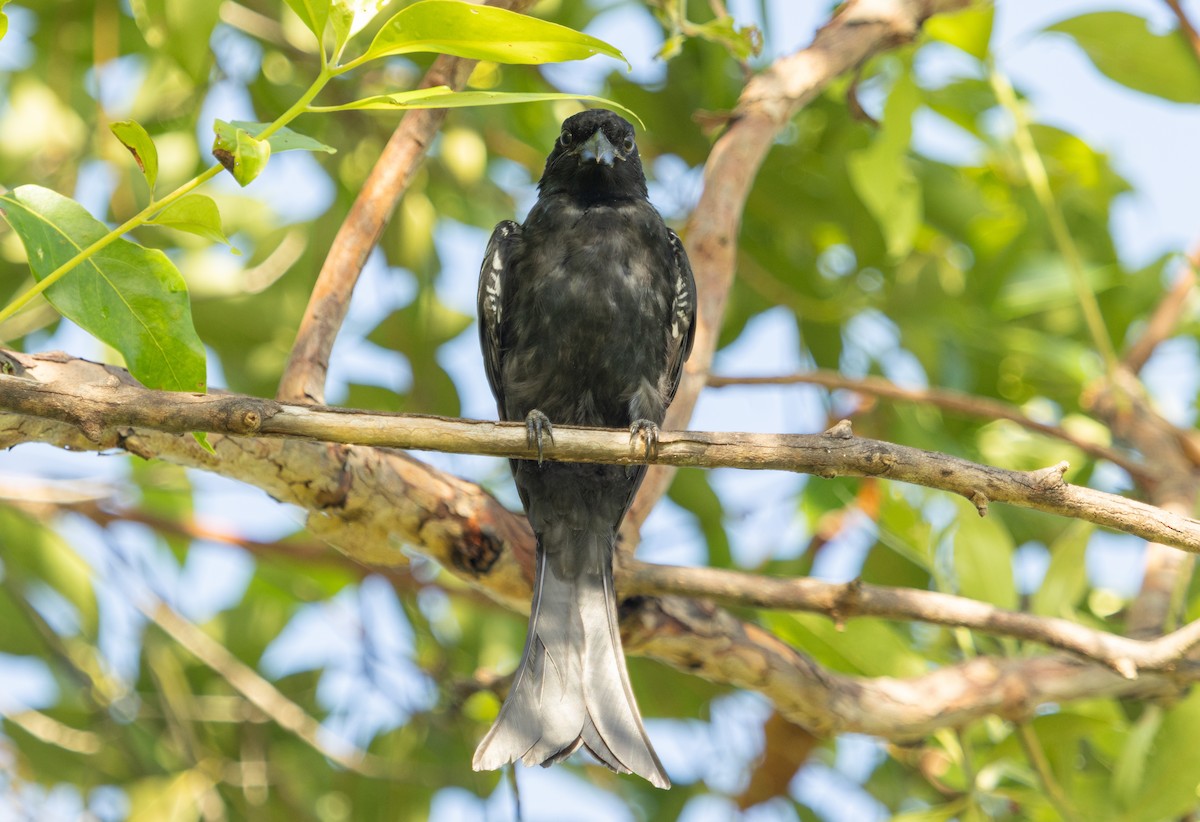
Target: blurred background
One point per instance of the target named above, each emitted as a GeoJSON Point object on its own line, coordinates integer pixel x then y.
{"type": "Point", "coordinates": [891, 233]}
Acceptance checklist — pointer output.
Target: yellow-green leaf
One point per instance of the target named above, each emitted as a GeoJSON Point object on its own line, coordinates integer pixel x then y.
{"type": "Point", "coordinates": [244, 155]}
{"type": "Point", "coordinates": [482, 33]}
{"type": "Point", "coordinates": [195, 214]}
{"type": "Point", "coordinates": [134, 137]}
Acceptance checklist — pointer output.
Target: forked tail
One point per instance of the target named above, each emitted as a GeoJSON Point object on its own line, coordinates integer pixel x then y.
{"type": "Point", "coordinates": [572, 687]}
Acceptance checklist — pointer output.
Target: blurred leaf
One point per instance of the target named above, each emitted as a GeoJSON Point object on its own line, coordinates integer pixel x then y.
{"type": "Point", "coordinates": [175, 798]}
{"type": "Point", "coordinates": [1172, 769]}
{"type": "Point", "coordinates": [1124, 49]}
{"type": "Point", "coordinates": [482, 33]}
{"type": "Point", "coordinates": [132, 298]}
{"type": "Point", "coordinates": [135, 138]}
{"type": "Point", "coordinates": [180, 29]}
{"type": "Point", "coordinates": [969, 29]}
{"type": "Point", "coordinates": [195, 214]}
{"type": "Point", "coordinates": [3, 19]}
{"type": "Point", "coordinates": [35, 553]}
{"type": "Point", "coordinates": [866, 646]}
{"type": "Point", "coordinates": [1130, 768]}
{"type": "Point", "coordinates": [983, 554]}
{"type": "Point", "coordinates": [1066, 577]}
{"type": "Point", "coordinates": [313, 13]}
{"type": "Point", "coordinates": [787, 748]}
{"type": "Point", "coordinates": [881, 173]}
{"type": "Point", "coordinates": [692, 491]}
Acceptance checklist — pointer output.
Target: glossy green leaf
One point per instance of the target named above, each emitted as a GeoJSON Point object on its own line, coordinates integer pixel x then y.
{"type": "Point", "coordinates": [134, 137]}
{"type": "Point", "coordinates": [969, 29]}
{"type": "Point", "coordinates": [243, 155]}
{"type": "Point", "coordinates": [196, 214]}
{"type": "Point", "coordinates": [983, 555]}
{"type": "Point", "coordinates": [1124, 49]}
{"type": "Point", "coordinates": [482, 33]}
{"type": "Point", "coordinates": [131, 297]}
{"type": "Point", "coordinates": [444, 97]}
{"type": "Point", "coordinates": [313, 13]}
{"type": "Point", "coordinates": [282, 140]}
{"type": "Point", "coordinates": [881, 174]}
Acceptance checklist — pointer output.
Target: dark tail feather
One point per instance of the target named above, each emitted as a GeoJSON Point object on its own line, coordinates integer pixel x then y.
{"type": "Point", "coordinates": [572, 687]}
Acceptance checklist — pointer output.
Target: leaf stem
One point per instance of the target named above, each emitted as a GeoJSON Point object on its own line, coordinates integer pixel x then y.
{"type": "Point", "coordinates": [155, 206]}
{"type": "Point", "coordinates": [1039, 181]}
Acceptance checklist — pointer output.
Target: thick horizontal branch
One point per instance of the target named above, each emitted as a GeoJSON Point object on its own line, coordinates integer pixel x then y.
{"type": "Point", "coordinates": [51, 387]}
{"type": "Point", "coordinates": [369, 503]}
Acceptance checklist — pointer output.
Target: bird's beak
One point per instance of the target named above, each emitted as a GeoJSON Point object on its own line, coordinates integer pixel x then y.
{"type": "Point", "coordinates": [598, 149]}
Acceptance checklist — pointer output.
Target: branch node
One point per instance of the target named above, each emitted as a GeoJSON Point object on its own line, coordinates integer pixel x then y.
{"type": "Point", "coordinates": [980, 501]}
{"type": "Point", "coordinates": [842, 430]}
{"type": "Point", "coordinates": [1050, 478]}
{"type": "Point", "coordinates": [1126, 667]}
{"type": "Point", "coordinates": [846, 603]}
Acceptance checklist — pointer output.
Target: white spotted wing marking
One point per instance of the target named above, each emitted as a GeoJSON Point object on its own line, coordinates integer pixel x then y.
{"type": "Point", "coordinates": [491, 287]}
{"type": "Point", "coordinates": [681, 307]}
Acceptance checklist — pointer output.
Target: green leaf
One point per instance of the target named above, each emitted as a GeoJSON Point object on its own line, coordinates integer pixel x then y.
{"type": "Point", "coordinates": [869, 647]}
{"type": "Point", "coordinates": [243, 155]}
{"type": "Point", "coordinates": [36, 553]}
{"type": "Point", "coordinates": [969, 29]}
{"type": "Point", "coordinates": [3, 19]}
{"type": "Point", "coordinates": [445, 97]}
{"type": "Point", "coordinates": [881, 174]}
{"type": "Point", "coordinates": [1130, 767]}
{"type": "Point", "coordinates": [983, 553]}
{"type": "Point", "coordinates": [1066, 576]}
{"type": "Point", "coordinates": [1124, 49]}
{"type": "Point", "coordinates": [282, 140]}
{"type": "Point", "coordinates": [313, 13]}
{"type": "Point", "coordinates": [195, 214]}
{"type": "Point", "coordinates": [482, 33]}
{"type": "Point", "coordinates": [135, 138]}
{"type": "Point", "coordinates": [1172, 770]}
{"type": "Point", "coordinates": [131, 297]}
{"type": "Point", "coordinates": [350, 16]}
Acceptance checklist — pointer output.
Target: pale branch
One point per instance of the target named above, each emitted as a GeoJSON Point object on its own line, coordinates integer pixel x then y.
{"type": "Point", "coordinates": [370, 502]}
{"type": "Point", "coordinates": [843, 601]}
{"type": "Point", "coordinates": [102, 399]}
{"type": "Point", "coordinates": [858, 31]}
{"type": "Point", "coordinates": [265, 696]}
{"type": "Point", "coordinates": [1166, 316]}
{"type": "Point", "coordinates": [1185, 26]}
{"type": "Point", "coordinates": [304, 375]}
{"type": "Point", "coordinates": [947, 399]}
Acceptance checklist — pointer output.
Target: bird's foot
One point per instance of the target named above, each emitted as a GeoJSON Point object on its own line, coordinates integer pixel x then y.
{"type": "Point", "coordinates": [537, 426]}
{"type": "Point", "coordinates": [647, 432]}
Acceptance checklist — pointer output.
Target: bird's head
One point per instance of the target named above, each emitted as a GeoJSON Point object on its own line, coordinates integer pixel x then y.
{"type": "Point", "coordinates": [595, 156]}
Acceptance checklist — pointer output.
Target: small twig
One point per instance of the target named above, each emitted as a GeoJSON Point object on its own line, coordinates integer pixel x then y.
{"type": "Point", "coordinates": [1041, 766]}
{"type": "Point", "coordinates": [1165, 318]}
{"type": "Point", "coordinates": [1185, 25]}
{"type": "Point", "coordinates": [1039, 182]}
{"type": "Point", "coordinates": [947, 399]}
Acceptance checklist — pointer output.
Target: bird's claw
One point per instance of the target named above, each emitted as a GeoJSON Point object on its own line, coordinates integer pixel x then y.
{"type": "Point", "coordinates": [647, 432]}
{"type": "Point", "coordinates": [537, 426]}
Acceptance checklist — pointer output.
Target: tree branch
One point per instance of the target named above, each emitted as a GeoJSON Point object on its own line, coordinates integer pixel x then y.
{"type": "Point", "coordinates": [103, 401]}
{"type": "Point", "coordinates": [304, 375]}
{"type": "Point", "coordinates": [860, 30]}
{"type": "Point", "coordinates": [956, 401]}
{"type": "Point", "coordinates": [370, 502]}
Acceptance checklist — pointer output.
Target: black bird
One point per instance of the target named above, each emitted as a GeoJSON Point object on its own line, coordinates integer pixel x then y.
{"type": "Point", "coordinates": [586, 315]}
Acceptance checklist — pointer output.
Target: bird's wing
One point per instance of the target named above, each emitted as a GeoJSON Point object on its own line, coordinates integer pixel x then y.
{"type": "Point", "coordinates": [492, 278]}
{"type": "Point", "coordinates": [682, 332]}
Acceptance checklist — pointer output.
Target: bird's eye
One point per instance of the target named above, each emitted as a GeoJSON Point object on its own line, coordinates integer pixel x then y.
{"type": "Point", "coordinates": [629, 143]}
{"type": "Point", "coordinates": [564, 139]}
